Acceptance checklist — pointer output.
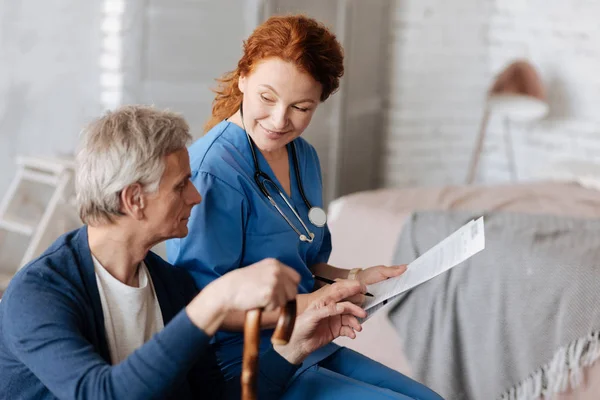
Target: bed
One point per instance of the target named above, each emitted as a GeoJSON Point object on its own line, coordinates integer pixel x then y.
{"type": "Point", "coordinates": [366, 228]}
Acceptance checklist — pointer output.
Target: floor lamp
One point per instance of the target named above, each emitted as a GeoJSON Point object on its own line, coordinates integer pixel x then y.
{"type": "Point", "coordinates": [517, 95]}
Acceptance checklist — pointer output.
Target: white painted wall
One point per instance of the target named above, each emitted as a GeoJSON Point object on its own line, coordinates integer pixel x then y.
{"type": "Point", "coordinates": [443, 58]}
{"type": "Point", "coordinates": [49, 79]}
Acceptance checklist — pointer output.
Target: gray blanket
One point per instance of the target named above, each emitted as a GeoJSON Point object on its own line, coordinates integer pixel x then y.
{"type": "Point", "coordinates": [518, 320]}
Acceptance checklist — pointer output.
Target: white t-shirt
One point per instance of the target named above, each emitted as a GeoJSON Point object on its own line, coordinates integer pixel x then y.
{"type": "Point", "coordinates": [131, 314]}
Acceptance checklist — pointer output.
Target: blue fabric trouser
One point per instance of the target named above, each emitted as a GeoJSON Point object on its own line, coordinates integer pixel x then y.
{"type": "Point", "coordinates": [349, 375]}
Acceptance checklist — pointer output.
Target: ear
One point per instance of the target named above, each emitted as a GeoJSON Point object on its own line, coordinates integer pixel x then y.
{"type": "Point", "coordinates": [242, 82]}
{"type": "Point", "coordinates": [133, 201]}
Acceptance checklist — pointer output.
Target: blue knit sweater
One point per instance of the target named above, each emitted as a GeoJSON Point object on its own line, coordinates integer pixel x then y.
{"type": "Point", "coordinates": [53, 343]}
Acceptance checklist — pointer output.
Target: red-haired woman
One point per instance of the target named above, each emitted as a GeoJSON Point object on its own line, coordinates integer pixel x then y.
{"type": "Point", "coordinates": [262, 192]}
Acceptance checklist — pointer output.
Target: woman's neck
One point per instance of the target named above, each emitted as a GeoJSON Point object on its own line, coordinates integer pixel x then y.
{"type": "Point", "coordinates": [236, 119]}
{"type": "Point", "coordinates": [275, 156]}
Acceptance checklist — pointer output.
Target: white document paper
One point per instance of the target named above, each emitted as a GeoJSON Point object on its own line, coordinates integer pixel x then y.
{"type": "Point", "coordinates": [456, 248]}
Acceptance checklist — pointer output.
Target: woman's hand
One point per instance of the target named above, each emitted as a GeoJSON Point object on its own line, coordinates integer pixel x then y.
{"type": "Point", "coordinates": [324, 320]}
{"type": "Point", "coordinates": [378, 273]}
{"type": "Point", "coordinates": [335, 290]}
{"type": "Point", "coordinates": [268, 284]}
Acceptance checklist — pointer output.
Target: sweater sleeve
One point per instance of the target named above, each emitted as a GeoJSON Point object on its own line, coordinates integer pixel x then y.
{"type": "Point", "coordinates": [43, 327]}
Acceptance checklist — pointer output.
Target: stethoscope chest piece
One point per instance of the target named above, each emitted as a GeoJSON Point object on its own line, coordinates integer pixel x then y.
{"type": "Point", "coordinates": [317, 216]}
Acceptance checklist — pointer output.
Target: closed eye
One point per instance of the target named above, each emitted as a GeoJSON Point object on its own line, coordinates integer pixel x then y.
{"type": "Point", "coordinates": [266, 99]}
{"type": "Point", "coordinates": [301, 109]}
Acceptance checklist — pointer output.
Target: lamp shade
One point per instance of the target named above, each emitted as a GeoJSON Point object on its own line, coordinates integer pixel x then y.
{"type": "Point", "coordinates": [518, 93]}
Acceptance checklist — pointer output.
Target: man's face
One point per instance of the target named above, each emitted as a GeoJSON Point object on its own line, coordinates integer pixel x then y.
{"type": "Point", "coordinates": [167, 211]}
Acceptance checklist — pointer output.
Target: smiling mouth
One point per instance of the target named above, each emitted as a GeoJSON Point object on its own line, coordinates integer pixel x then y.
{"type": "Point", "coordinates": [278, 133]}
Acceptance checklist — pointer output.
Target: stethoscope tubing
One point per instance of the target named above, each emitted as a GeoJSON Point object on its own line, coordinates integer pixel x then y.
{"type": "Point", "coordinates": [258, 174]}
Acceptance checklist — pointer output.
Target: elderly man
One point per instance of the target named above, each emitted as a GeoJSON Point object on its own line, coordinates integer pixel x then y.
{"type": "Point", "coordinates": [99, 316]}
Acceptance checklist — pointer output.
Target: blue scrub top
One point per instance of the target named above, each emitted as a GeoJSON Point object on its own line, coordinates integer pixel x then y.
{"type": "Point", "coordinates": [235, 225]}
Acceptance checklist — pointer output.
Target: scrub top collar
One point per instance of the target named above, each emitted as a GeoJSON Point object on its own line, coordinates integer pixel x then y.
{"type": "Point", "coordinates": [235, 134]}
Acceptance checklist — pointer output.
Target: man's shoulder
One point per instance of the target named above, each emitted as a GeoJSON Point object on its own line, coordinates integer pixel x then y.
{"type": "Point", "coordinates": [52, 278]}
{"type": "Point", "coordinates": [59, 260]}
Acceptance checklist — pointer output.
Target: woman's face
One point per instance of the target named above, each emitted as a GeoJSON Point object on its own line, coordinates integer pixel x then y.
{"type": "Point", "coordinates": [279, 102]}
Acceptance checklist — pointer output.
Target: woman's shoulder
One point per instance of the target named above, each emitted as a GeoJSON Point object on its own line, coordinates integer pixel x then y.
{"type": "Point", "coordinates": [218, 156]}
{"type": "Point", "coordinates": [208, 146]}
{"type": "Point", "coordinates": [307, 156]}
{"type": "Point", "coordinates": [305, 149]}
{"type": "Point", "coordinates": [303, 145]}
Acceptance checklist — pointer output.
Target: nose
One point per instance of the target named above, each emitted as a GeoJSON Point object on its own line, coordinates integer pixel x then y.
{"type": "Point", "coordinates": [279, 118]}
{"type": "Point", "coordinates": [194, 196]}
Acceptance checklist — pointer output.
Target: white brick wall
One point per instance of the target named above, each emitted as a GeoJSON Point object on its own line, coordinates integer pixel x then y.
{"type": "Point", "coordinates": [444, 56]}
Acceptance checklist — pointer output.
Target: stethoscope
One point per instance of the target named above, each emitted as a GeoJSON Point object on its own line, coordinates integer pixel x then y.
{"type": "Point", "coordinates": [316, 215]}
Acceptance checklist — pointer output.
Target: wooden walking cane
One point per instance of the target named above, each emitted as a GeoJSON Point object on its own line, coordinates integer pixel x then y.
{"type": "Point", "coordinates": [282, 334]}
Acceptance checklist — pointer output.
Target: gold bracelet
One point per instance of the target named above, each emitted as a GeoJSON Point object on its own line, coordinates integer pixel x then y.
{"type": "Point", "coordinates": [353, 274]}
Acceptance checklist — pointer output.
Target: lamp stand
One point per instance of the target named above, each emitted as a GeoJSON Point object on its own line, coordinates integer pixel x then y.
{"type": "Point", "coordinates": [474, 163]}
{"type": "Point", "coordinates": [510, 151]}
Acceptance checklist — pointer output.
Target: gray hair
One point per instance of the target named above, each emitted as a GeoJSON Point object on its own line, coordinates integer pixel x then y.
{"type": "Point", "coordinates": [125, 146]}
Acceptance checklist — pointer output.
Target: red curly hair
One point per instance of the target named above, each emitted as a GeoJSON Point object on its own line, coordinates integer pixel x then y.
{"type": "Point", "coordinates": [298, 39]}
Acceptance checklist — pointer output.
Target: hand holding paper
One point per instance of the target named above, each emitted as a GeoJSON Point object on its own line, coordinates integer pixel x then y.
{"type": "Point", "coordinates": [456, 248]}
{"type": "Point", "coordinates": [379, 273]}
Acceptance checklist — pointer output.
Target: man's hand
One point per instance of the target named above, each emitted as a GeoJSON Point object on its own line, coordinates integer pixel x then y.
{"type": "Point", "coordinates": [324, 320]}
{"type": "Point", "coordinates": [268, 284]}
